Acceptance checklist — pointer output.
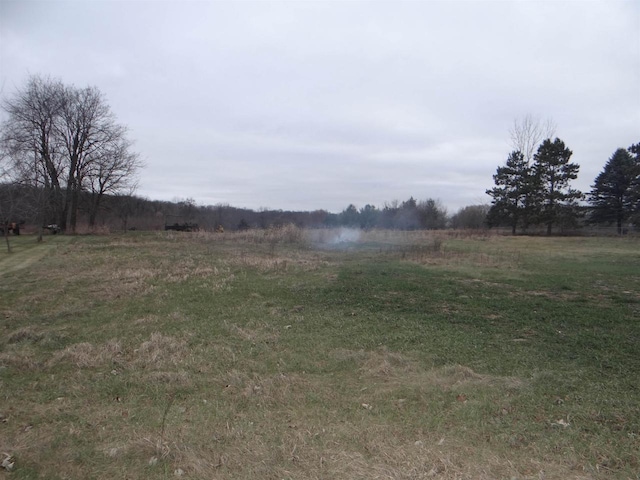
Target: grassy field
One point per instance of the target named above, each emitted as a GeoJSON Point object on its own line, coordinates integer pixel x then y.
{"type": "Point", "coordinates": [320, 355]}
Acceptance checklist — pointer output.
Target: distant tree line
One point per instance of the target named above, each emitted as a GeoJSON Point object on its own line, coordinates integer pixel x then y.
{"type": "Point", "coordinates": [62, 153]}
{"type": "Point", "coordinates": [408, 215]}
{"type": "Point", "coordinates": [127, 212]}
{"type": "Point", "coordinates": [67, 164]}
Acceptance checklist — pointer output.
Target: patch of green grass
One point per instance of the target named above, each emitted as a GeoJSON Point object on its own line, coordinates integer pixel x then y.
{"type": "Point", "coordinates": [402, 355]}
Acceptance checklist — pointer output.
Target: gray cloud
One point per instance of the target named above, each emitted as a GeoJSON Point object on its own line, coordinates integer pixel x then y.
{"type": "Point", "coordinates": [305, 105]}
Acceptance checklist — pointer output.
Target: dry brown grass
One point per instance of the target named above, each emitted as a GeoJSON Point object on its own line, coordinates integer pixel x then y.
{"type": "Point", "coordinates": [85, 354]}
{"type": "Point", "coordinates": [256, 333]}
{"type": "Point", "coordinates": [28, 334]}
{"type": "Point", "coordinates": [382, 458]}
{"type": "Point", "coordinates": [387, 364]}
{"type": "Point", "coordinates": [285, 234]}
{"type": "Point", "coordinates": [251, 425]}
{"type": "Point", "coordinates": [400, 237]}
{"type": "Point", "coordinates": [279, 437]}
{"type": "Point", "coordinates": [20, 359]}
{"type": "Point", "coordinates": [159, 351]}
{"type": "Point", "coordinates": [278, 263]}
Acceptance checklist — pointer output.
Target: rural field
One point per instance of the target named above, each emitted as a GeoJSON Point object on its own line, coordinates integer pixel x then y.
{"type": "Point", "coordinates": [291, 354]}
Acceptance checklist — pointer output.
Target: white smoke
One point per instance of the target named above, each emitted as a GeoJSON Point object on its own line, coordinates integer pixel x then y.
{"type": "Point", "coordinates": [335, 238]}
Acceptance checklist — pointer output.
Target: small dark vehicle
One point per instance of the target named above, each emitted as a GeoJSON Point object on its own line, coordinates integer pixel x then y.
{"type": "Point", "coordinates": [182, 227]}
{"type": "Point", "coordinates": [178, 223]}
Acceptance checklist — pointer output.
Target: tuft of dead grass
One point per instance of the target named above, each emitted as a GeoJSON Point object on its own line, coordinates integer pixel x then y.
{"type": "Point", "coordinates": [190, 269]}
{"type": "Point", "coordinates": [285, 234]}
{"type": "Point", "coordinates": [147, 319]}
{"type": "Point", "coordinates": [263, 333]}
{"type": "Point", "coordinates": [87, 355]}
{"type": "Point", "coordinates": [278, 262]}
{"type": "Point", "coordinates": [278, 389]}
{"type": "Point", "coordinates": [175, 379]}
{"type": "Point", "coordinates": [155, 353]}
{"type": "Point", "coordinates": [384, 457]}
{"type": "Point", "coordinates": [23, 359]}
{"type": "Point", "coordinates": [453, 376]}
{"type": "Point", "coordinates": [25, 334]}
{"type": "Point", "coordinates": [396, 369]}
{"type": "Point", "coordinates": [160, 350]}
{"type": "Point", "coordinates": [108, 282]}
{"type": "Point", "coordinates": [383, 363]}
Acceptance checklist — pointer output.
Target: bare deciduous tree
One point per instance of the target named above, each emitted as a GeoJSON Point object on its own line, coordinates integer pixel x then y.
{"type": "Point", "coordinates": [112, 171]}
{"type": "Point", "coordinates": [528, 133]}
{"type": "Point", "coordinates": [84, 122]}
{"type": "Point", "coordinates": [29, 141]}
{"type": "Point", "coordinates": [65, 140]}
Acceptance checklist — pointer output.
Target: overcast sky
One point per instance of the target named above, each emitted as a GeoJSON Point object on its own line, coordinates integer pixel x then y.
{"type": "Point", "coordinates": [308, 105]}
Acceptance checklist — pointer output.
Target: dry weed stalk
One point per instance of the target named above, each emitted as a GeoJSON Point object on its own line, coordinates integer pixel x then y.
{"type": "Point", "coordinates": [160, 449]}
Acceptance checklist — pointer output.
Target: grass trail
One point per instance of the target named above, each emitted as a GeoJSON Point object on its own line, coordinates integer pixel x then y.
{"type": "Point", "coordinates": [26, 251]}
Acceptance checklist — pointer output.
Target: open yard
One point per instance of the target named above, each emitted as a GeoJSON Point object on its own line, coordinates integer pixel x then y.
{"type": "Point", "coordinates": [320, 355]}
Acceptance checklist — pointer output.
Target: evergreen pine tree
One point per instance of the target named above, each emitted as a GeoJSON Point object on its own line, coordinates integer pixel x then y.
{"type": "Point", "coordinates": [612, 195]}
{"type": "Point", "coordinates": [557, 201]}
{"type": "Point", "coordinates": [511, 204]}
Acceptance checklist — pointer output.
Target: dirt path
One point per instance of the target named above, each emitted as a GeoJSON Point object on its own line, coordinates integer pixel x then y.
{"type": "Point", "coordinates": [26, 254]}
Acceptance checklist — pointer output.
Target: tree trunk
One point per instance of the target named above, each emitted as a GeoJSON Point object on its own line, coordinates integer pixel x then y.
{"type": "Point", "coordinates": [6, 237]}
{"type": "Point", "coordinates": [94, 206]}
{"type": "Point", "coordinates": [70, 199]}
{"type": "Point", "coordinates": [73, 214]}
{"type": "Point", "coordinates": [64, 210]}
{"type": "Point", "coordinates": [57, 198]}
